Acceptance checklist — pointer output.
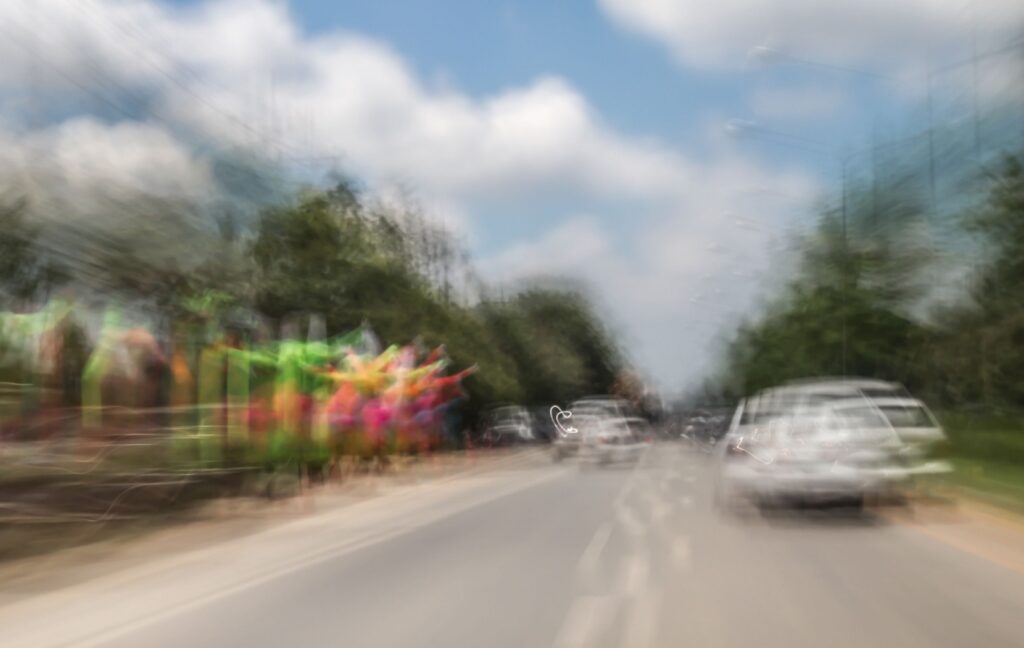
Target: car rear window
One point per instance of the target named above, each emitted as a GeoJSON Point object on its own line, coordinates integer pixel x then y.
{"type": "Point", "coordinates": [862, 417]}
{"type": "Point", "coordinates": [907, 417]}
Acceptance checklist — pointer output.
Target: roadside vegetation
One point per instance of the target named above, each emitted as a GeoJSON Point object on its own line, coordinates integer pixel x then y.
{"type": "Point", "coordinates": [202, 301]}
{"type": "Point", "coordinates": [334, 256]}
{"type": "Point", "coordinates": [901, 291]}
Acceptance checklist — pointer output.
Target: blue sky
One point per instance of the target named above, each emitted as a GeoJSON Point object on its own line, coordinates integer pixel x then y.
{"type": "Point", "coordinates": [635, 87]}
{"type": "Point", "coordinates": [582, 138]}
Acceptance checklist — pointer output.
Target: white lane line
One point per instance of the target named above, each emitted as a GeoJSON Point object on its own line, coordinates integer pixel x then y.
{"type": "Point", "coordinates": [635, 574]}
{"type": "Point", "coordinates": [589, 560]}
{"type": "Point", "coordinates": [641, 623]}
{"type": "Point", "coordinates": [681, 553]}
{"type": "Point", "coordinates": [585, 622]}
{"type": "Point", "coordinates": [625, 516]}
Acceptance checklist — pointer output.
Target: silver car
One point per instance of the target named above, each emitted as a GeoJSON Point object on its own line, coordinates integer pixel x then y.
{"type": "Point", "coordinates": [841, 451]}
{"type": "Point", "coordinates": [509, 424]}
{"type": "Point", "coordinates": [607, 440]}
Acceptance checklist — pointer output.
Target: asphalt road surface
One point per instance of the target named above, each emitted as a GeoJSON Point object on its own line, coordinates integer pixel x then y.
{"type": "Point", "coordinates": [532, 553]}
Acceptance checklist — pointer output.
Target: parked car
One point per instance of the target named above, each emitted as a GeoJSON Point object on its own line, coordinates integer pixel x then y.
{"type": "Point", "coordinates": [508, 425]}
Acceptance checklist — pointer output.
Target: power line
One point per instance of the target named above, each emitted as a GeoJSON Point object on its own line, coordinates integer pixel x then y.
{"type": "Point", "coordinates": [111, 94]}
{"type": "Point", "coordinates": [280, 146]}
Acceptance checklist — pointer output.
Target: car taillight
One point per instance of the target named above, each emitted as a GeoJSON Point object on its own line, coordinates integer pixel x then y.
{"type": "Point", "coordinates": [737, 450]}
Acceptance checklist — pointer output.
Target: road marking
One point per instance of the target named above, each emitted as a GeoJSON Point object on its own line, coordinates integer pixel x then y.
{"type": "Point", "coordinates": [641, 622]}
{"type": "Point", "coordinates": [584, 622]}
{"type": "Point", "coordinates": [625, 516]}
{"type": "Point", "coordinates": [681, 553]}
{"type": "Point", "coordinates": [660, 509]}
{"type": "Point", "coordinates": [635, 574]}
{"type": "Point", "coordinates": [591, 555]}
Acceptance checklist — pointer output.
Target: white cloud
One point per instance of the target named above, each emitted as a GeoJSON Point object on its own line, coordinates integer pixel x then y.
{"type": "Point", "coordinates": [147, 158]}
{"type": "Point", "coordinates": [77, 165]}
{"type": "Point", "coordinates": [574, 245]}
{"type": "Point", "coordinates": [242, 72]}
{"type": "Point", "coordinates": [106, 184]}
{"type": "Point", "coordinates": [679, 278]}
{"type": "Point", "coordinates": [719, 34]}
{"type": "Point", "coordinates": [797, 102]}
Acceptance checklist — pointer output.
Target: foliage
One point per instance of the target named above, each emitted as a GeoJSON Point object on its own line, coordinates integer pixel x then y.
{"type": "Point", "coordinates": [855, 306]}
{"type": "Point", "coordinates": [331, 255]}
{"type": "Point", "coordinates": [26, 272]}
{"type": "Point", "coordinates": [334, 257]}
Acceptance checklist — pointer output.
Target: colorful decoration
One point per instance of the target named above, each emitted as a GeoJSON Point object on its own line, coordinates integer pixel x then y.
{"type": "Point", "coordinates": [270, 401]}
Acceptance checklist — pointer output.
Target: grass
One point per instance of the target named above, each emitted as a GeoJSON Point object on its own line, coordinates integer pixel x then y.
{"type": "Point", "coordinates": [987, 451]}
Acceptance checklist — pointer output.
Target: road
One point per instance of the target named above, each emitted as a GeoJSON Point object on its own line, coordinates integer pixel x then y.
{"type": "Point", "coordinates": [538, 554]}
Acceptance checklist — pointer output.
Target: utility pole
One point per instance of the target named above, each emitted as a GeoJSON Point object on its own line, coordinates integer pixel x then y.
{"type": "Point", "coordinates": [974, 82]}
{"type": "Point", "coordinates": [874, 175]}
{"type": "Point", "coordinates": [846, 261]}
{"type": "Point", "coordinates": [931, 145]}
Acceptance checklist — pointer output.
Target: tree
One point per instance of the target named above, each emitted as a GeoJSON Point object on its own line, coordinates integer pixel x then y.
{"type": "Point", "coordinates": [848, 309]}
{"type": "Point", "coordinates": [27, 272]}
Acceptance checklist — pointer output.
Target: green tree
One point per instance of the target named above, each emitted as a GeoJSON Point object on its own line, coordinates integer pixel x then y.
{"type": "Point", "coordinates": [27, 272]}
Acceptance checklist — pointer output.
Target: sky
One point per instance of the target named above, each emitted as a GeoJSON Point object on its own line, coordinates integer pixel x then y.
{"type": "Point", "coordinates": [625, 143]}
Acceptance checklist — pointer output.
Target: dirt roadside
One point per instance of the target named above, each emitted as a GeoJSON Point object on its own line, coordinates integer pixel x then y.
{"type": "Point", "coordinates": [969, 524]}
{"type": "Point", "coordinates": [228, 519]}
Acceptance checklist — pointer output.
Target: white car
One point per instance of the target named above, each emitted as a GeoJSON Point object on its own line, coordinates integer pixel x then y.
{"type": "Point", "coordinates": [598, 431]}
{"type": "Point", "coordinates": [509, 424]}
{"type": "Point", "coordinates": [843, 450]}
{"type": "Point", "coordinates": [809, 393]}
{"type": "Point", "coordinates": [914, 423]}
{"type": "Point", "coordinates": [606, 440]}
{"type": "Point", "coordinates": [868, 387]}
{"type": "Point", "coordinates": [753, 413]}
